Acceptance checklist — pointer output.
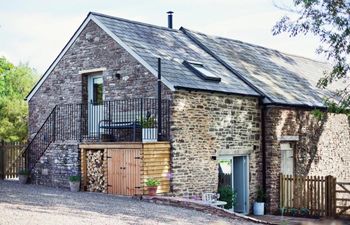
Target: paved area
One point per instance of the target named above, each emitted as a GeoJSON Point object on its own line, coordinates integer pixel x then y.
{"type": "Point", "coordinates": [32, 204]}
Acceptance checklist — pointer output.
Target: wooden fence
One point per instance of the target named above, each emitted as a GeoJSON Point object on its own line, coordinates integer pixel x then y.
{"type": "Point", "coordinates": [342, 198]}
{"type": "Point", "coordinates": [11, 160]}
{"type": "Point", "coordinates": [318, 195]}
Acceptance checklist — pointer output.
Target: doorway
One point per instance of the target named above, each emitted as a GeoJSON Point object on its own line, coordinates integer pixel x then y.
{"type": "Point", "coordinates": [233, 173]}
{"type": "Point", "coordinates": [124, 171]}
{"type": "Point", "coordinates": [95, 102]}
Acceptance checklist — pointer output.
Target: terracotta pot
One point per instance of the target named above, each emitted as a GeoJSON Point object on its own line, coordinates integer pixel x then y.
{"type": "Point", "coordinates": [152, 191]}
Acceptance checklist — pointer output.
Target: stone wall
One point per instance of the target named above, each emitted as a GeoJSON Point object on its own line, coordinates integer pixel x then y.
{"type": "Point", "coordinates": [322, 149]}
{"type": "Point", "coordinates": [206, 125]}
{"type": "Point", "coordinates": [61, 160]}
{"type": "Point", "coordinates": [92, 49]}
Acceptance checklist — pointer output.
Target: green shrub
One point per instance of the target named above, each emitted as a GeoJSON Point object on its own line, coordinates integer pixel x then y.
{"type": "Point", "coordinates": [148, 122]}
{"type": "Point", "coordinates": [228, 195]}
{"type": "Point", "coordinates": [24, 172]}
{"type": "Point", "coordinates": [260, 195]}
{"type": "Point", "coordinates": [74, 178]}
{"type": "Point", "coordinates": [318, 114]}
{"type": "Point", "coordinates": [294, 211]}
{"type": "Point", "coordinates": [152, 182]}
{"type": "Point", "coordinates": [304, 211]}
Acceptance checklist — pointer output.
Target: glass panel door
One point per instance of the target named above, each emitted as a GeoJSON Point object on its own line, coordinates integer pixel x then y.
{"type": "Point", "coordinates": [240, 183]}
{"type": "Point", "coordinates": [95, 102]}
{"type": "Point", "coordinates": [225, 175]}
{"type": "Point", "coordinates": [233, 173]}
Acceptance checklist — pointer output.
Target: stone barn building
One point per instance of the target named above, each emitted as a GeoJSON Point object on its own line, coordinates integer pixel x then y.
{"type": "Point", "coordinates": [231, 113]}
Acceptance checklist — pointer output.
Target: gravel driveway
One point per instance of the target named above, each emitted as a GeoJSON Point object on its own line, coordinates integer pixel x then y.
{"type": "Point", "coordinates": [32, 204]}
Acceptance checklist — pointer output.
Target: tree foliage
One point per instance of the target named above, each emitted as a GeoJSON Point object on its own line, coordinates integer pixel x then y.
{"type": "Point", "coordinates": [330, 21]}
{"type": "Point", "coordinates": [15, 83]}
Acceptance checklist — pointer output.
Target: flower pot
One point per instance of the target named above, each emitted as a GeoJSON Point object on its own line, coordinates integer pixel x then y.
{"type": "Point", "coordinates": [259, 208]}
{"type": "Point", "coordinates": [74, 186]}
{"type": "Point", "coordinates": [149, 134]}
{"type": "Point", "coordinates": [23, 179]}
{"type": "Point", "coordinates": [152, 191]}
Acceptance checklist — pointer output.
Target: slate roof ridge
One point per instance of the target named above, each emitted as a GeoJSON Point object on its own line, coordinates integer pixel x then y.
{"type": "Point", "coordinates": [134, 22]}
{"type": "Point", "coordinates": [254, 45]}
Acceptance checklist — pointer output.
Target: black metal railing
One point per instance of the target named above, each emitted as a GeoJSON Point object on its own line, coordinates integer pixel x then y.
{"type": "Point", "coordinates": [41, 141]}
{"type": "Point", "coordinates": [125, 120]}
{"type": "Point", "coordinates": [132, 120]}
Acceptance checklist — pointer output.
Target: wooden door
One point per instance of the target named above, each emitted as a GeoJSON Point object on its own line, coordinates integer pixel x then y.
{"type": "Point", "coordinates": [124, 171]}
{"type": "Point", "coordinates": [116, 184]}
{"type": "Point", "coordinates": [132, 171]}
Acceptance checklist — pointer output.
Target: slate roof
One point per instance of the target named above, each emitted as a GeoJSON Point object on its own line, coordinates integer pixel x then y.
{"type": "Point", "coordinates": [173, 47]}
{"type": "Point", "coordinates": [283, 78]}
{"type": "Point", "coordinates": [246, 69]}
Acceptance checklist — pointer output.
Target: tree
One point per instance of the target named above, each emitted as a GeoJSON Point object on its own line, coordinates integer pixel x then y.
{"type": "Point", "coordinates": [330, 21]}
{"type": "Point", "coordinates": [15, 83]}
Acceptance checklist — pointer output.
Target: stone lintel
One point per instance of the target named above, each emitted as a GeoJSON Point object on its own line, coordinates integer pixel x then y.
{"type": "Point", "coordinates": [95, 70]}
{"type": "Point", "coordinates": [288, 138]}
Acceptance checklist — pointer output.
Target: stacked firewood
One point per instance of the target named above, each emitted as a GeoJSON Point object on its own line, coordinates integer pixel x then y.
{"type": "Point", "coordinates": [95, 171]}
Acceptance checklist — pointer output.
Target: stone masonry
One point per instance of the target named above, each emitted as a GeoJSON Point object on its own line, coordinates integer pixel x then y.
{"type": "Point", "coordinates": [93, 49]}
{"type": "Point", "coordinates": [61, 159]}
{"type": "Point", "coordinates": [206, 125]}
{"type": "Point", "coordinates": [322, 149]}
{"type": "Point", "coordinates": [124, 78]}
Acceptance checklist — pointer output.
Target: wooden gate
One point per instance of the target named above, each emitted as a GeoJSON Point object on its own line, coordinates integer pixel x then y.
{"type": "Point", "coordinates": [11, 159]}
{"type": "Point", "coordinates": [342, 199]}
{"type": "Point", "coordinates": [124, 171]}
{"type": "Point", "coordinates": [321, 196]}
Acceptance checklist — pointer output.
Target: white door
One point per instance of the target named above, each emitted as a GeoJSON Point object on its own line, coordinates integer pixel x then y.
{"type": "Point", "coordinates": [287, 159]}
{"type": "Point", "coordinates": [95, 102]}
{"type": "Point", "coordinates": [233, 173]}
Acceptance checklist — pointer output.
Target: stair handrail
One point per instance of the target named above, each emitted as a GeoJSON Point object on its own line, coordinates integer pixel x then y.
{"type": "Point", "coordinates": [25, 151]}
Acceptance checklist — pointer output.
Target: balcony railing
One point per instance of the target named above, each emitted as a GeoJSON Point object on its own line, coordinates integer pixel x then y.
{"type": "Point", "coordinates": [132, 120]}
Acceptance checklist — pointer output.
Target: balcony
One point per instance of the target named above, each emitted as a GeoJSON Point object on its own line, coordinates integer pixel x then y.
{"type": "Point", "coordinates": [132, 120]}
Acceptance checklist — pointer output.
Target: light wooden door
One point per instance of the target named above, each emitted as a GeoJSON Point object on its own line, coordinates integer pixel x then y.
{"type": "Point", "coordinates": [124, 171]}
{"type": "Point", "coordinates": [132, 171]}
{"type": "Point", "coordinates": [116, 185]}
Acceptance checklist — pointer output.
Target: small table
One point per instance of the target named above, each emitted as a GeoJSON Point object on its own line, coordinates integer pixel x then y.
{"type": "Point", "coordinates": [217, 203]}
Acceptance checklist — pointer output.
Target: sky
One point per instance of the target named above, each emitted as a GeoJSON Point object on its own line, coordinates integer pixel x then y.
{"type": "Point", "coordinates": [35, 31]}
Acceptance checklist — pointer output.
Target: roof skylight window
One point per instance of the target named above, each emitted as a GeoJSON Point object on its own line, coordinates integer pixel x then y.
{"type": "Point", "coordinates": [200, 70]}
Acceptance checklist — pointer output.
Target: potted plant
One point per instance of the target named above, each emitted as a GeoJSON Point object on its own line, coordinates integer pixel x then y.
{"type": "Point", "coordinates": [149, 132]}
{"type": "Point", "coordinates": [74, 183]}
{"type": "Point", "coordinates": [228, 195]}
{"type": "Point", "coordinates": [23, 176]}
{"type": "Point", "coordinates": [152, 185]}
{"type": "Point", "coordinates": [259, 204]}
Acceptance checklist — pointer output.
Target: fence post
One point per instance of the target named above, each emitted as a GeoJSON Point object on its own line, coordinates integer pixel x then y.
{"type": "Point", "coordinates": [2, 160]}
{"type": "Point", "coordinates": [330, 198]}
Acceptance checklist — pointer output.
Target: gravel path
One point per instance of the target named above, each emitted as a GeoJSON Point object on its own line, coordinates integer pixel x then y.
{"type": "Point", "coordinates": [32, 204]}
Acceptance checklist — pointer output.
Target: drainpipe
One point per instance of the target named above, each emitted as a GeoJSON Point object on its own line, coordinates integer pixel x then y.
{"type": "Point", "coordinates": [263, 146]}
{"type": "Point", "coordinates": [159, 101]}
